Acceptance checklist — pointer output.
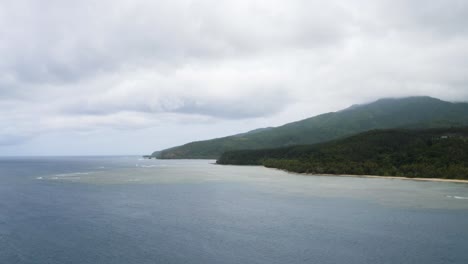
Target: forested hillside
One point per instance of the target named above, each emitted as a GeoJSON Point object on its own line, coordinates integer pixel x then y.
{"type": "Point", "coordinates": [429, 153]}
{"type": "Point", "coordinates": [411, 112]}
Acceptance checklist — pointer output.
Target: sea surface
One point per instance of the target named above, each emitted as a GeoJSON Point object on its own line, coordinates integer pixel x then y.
{"type": "Point", "coordinates": [122, 210]}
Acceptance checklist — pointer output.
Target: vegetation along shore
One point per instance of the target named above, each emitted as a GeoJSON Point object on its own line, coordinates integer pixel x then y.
{"type": "Point", "coordinates": [418, 154]}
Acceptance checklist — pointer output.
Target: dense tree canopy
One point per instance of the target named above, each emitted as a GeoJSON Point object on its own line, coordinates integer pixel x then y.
{"type": "Point", "coordinates": [429, 153]}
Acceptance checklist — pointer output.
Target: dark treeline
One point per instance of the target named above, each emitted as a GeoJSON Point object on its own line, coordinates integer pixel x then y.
{"type": "Point", "coordinates": [430, 153]}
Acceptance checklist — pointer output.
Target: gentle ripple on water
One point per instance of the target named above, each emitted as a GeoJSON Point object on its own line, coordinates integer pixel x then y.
{"type": "Point", "coordinates": [130, 210]}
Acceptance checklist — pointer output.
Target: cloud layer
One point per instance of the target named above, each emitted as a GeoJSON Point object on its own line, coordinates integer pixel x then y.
{"type": "Point", "coordinates": [125, 65]}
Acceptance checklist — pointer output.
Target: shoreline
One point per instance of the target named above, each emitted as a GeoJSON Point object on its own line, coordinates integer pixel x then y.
{"type": "Point", "coordinates": [394, 178]}
{"type": "Point", "coordinates": [361, 176]}
{"type": "Point", "coordinates": [377, 177]}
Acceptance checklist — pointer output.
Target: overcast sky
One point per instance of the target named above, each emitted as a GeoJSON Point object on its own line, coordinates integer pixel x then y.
{"type": "Point", "coordinates": [132, 76]}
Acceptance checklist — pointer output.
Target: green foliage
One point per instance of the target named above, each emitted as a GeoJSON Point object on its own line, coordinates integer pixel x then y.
{"type": "Point", "coordinates": [412, 112]}
{"type": "Point", "coordinates": [428, 153]}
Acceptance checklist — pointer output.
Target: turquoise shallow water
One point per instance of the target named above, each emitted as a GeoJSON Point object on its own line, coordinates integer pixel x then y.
{"type": "Point", "coordinates": [128, 210]}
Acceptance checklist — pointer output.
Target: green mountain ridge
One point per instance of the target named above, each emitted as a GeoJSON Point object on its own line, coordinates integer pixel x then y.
{"type": "Point", "coordinates": [427, 153]}
{"type": "Point", "coordinates": [410, 112]}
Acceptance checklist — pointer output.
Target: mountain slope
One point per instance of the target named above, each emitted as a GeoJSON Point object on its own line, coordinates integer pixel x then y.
{"type": "Point", "coordinates": [411, 112]}
{"type": "Point", "coordinates": [428, 153]}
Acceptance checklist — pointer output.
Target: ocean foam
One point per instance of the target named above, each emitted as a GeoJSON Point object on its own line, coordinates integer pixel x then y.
{"type": "Point", "coordinates": [458, 197]}
{"type": "Point", "coordinates": [149, 166]}
{"type": "Point", "coordinates": [73, 174]}
{"type": "Point", "coordinates": [134, 180]}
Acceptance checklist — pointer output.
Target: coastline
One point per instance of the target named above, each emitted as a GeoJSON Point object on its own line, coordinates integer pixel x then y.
{"type": "Point", "coordinates": [397, 178]}
{"type": "Point", "coordinates": [379, 177]}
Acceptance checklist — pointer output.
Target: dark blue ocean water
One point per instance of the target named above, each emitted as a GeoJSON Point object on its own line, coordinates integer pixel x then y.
{"type": "Point", "coordinates": [126, 210]}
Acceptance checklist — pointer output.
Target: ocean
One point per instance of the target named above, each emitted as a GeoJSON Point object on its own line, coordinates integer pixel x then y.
{"type": "Point", "coordinates": [132, 210]}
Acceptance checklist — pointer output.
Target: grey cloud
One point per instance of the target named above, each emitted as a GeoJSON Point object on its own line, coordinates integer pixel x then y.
{"type": "Point", "coordinates": [9, 140]}
{"type": "Point", "coordinates": [260, 105]}
{"type": "Point", "coordinates": [85, 65]}
{"type": "Point", "coordinates": [440, 17]}
{"type": "Point", "coordinates": [66, 42]}
{"type": "Point", "coordinates": [446, 17]}
{"type": "Point", "coordinates": [257, 26]}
